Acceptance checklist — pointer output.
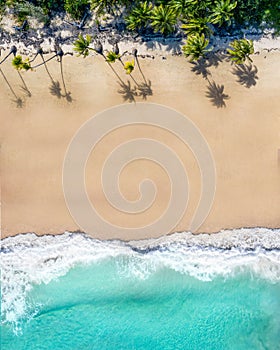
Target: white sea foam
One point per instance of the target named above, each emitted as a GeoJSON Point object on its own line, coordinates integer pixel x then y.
{"type": "Point", "coordinates": [27, 259]}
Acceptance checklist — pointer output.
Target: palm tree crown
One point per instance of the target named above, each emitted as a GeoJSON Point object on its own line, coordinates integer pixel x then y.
{"type": "Point", "coordinates": [81, 45]}
{"type": "Point", "coordinates": [129, 66]}
{"type": "Point", "coordinates": [164, 19]}
{"type": "Point", "coordinates": [197, 26]}
{"type": "Point", "coordinates": [195, 47]}
{"type": "Point", "coordinates": [20, 64]}
{"type": "Point", "coordinates": [139, 16]}
{"type": "Point", "coordinates": [241, 49]}
{"type": "Point", "coordinates": [222, 11]}
{"type": "Point", "coordinates": [111, 57]}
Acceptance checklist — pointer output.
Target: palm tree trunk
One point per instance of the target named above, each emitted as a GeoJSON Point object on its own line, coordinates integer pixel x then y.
{"type": "Point", "coordinates": [62, 76]}
{"type": "Point", "coordinates": [44, 61]}
{"type": "Point", "coordinates": [47, 70]}
{"type": "Point", "coordinates": [129, 74]}
{"type": "Point", "coordinates": [140, 70]}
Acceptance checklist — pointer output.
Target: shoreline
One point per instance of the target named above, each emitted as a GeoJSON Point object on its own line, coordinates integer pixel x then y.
{"type": "Point", "coordinates": [24, 132]}
{"type": "Point", "coordinates": [218, 239]}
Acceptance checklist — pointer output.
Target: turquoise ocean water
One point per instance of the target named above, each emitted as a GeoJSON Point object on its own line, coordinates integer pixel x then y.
{"type": "Point", "coordinates": [177, 292]}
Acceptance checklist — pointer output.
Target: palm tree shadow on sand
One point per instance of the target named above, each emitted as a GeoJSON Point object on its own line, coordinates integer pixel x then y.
{"type": "Point", "coordinates": [24, 87]}
{"type": "Point", "coordinates": [246, 74]}
{"type": "Point", "coordinates": [127, 91]}
{"type": "Point", "coordinates": [55, 88]}
{"type": "Point", "coordinates": [213, 59]}
{"type": "Point", "coordinates": [216, 95]}
{"type": "Point", "coordinates": [200, 67]}
{"type": "Point", "coordinates": [145, 89]}
{"type": "Point", "coordinates": [17, 100]}
{"type": "Point", "coordinates": [67, 94]}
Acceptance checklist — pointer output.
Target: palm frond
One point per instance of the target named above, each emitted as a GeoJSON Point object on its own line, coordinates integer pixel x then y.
{"type": "Point", "coordinates": [129, 66]}
{"type": "Point", "coordinates": [111, 57]}
{"type": "Point", "coordinates": [240, 50]}
{"type": "Point", "coordinates": [164, 19]}
{"type": "Point", "coordinates": [195, 46]}
{"type": "Point", "coordinates": [20, 64]}
{"type": "Point", "coordinates": [139, 16]}
{"type": "Point", "coordinates": [81, 45]}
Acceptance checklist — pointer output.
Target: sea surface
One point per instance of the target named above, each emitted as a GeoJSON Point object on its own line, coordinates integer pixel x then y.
{"type": "Point", "coordinates": [219, 291]}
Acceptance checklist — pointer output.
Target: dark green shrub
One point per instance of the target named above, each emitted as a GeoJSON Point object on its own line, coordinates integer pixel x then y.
{"type": "Point", "coordinates": [76, 8]}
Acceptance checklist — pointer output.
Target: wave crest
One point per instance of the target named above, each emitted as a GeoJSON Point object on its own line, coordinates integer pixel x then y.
{"type": "Point", "coordinates": [27, 260]}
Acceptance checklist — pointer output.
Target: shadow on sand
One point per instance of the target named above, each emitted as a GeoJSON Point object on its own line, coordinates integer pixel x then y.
{"type": "Point", "coordinates": [216, 95]}
{"type": "Point", "coordinates": [141, 89]}
{"type": "Point", "coordinates": [55, 88]}
{"type": "Point", "coordinates": [17, 100]}
{"type": "Point", "coordinates": [215, 92]}
{"type": "Point", "coordinates": [246, 74]}
{"type": "Point", "coordinates": [127, 91]}
{"type": "Point", "coordinates": [24, 87]}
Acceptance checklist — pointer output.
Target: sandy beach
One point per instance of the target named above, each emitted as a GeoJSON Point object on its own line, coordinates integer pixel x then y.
{"type": "Point", "coordinates": [244, 136]}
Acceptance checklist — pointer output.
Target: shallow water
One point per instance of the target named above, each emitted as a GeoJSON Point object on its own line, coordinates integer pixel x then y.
{"type": "Point", "coordinates": [177, 292]}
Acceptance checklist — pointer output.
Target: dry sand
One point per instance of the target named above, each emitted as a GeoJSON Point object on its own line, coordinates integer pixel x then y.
{"type": "Point", "coordinates": [244, 137]}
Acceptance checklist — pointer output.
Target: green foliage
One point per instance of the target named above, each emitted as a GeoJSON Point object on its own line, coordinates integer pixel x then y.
{"type": "Point", "coordinates": [195, 47]}
{"type": "Point", "coordinates": [164, 19]}
{"type": "Point", "coordinates": [222, 11]}
{"type": "Point", "coordinates": [2, 7]}
{"type": "Point", "coordinates": [139, 16]}
{"type": "Point", "coordinates": [254, 12]}
{"type": "Point", "coordinates": [240, 50]}
{"type": "Point", "coordinates": [20, 64]}
{"type": "Point", "coordinates": [112, 57]}
{"type": "Point", "coordinates": [272, 17]}
{"type": "Point", "coordinates": [76, 8]}
{"type": "Point", "coordinates": [129, 66]}
{"type": "Point", "coordinates": [102, 7]}
{"type": "Point", "coordinates": [81, 45]}
{"type": "Point", "coordinates": [180, 6]}
{"type": "Point", "coordinates": [198, 8]}
{"type": "Point", "coordinates": [197, 26]}
{"type": "Point", "coordinates": [49, 5]}
{"type": "Point", "coordinates": [160, 15]}
{"type": "Point", "coordinates": [24, 9]}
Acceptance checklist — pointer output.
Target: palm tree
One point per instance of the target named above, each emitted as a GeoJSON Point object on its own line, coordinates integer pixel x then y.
{"type": "Point", "coordinates": [198, 8]}
{"type": "Point", "coordinates": [81, 45]}
{"type": "Point", "coordinates": [58, 53]}
{"type": "Point", "coordinates": [139, 16]}
{"type": "Point", "coordinates": [20, 64]}
{"type": "Point", "coordinates": [67, 94]}
{"type": "Point", "coordinates": [135, 55]}
{"type": "Point", "coordinates": [180, 6]}
{"type": "Point", "coordinates": [241, 50]}
{"type": "Point", "coordinates": [195, 47]}
{"type": "Point", "coordinates": [164, 19]}
{"type": "Point", "coordinates": [112, 57]}
{"type": "Point", "coordinates": [107, 6]}
{"type": "Point", "coordinates": [13, 50]}
{"type": "Point", "coordinates": [197, 26]}
{"type": "Point", "coordinates": [129, 66]}
{"type": "Point", "coordinates": [222, 11]}
{"type": "Point", "coordinates": [55, 88]}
